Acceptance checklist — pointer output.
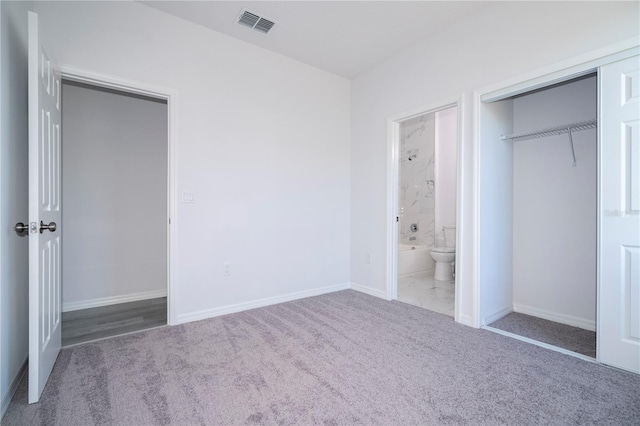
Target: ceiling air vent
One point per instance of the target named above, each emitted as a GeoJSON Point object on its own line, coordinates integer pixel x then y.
{"type": "Point", "coordinates": [257, 22]}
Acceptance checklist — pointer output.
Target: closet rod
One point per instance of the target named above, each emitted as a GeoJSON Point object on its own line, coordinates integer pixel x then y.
{"type": "Point", "coordinates": [559, 130]}
{"type": "Point", "coordinates": [582, 125]}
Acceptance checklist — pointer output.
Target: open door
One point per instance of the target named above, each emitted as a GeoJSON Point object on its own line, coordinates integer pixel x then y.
{"type": "Point", "coordinates": [44, 212]}
{"type": "Point", "coordinates": [619, 289]}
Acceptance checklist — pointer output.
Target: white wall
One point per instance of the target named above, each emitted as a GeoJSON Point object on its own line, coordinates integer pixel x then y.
{"type": "Point", "coordinates": [446, 170]}
{"type": "Point", "coordinates": [554, 206]}
{"type": "Point", "coordinates": [262, 141]}
{"type": "Point", "coordinates": [14, 281]}
{"type": "Point", "coordinates": [114, 189]}
{"type": "Point", "coordinates": [502, 40]}
{"type": "Point", "coordinates": [496, 217]}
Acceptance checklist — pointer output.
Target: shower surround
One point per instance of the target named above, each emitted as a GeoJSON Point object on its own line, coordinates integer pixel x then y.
{"type": "Point", "coordinates": [417, 182]}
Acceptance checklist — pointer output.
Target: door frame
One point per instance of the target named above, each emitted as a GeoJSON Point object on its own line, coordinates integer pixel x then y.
{"type": "Point", "coordinates": [170, 96]}
{"type": "Point", "coordinates": [564, 71]}
{"type": "Point", "coordinates": [393, 179]}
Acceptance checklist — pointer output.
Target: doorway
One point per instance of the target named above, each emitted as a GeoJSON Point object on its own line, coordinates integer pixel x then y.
{"type": "Point", "coordinates": [425, 198]}
{"type": "Point", "coordinates": [548, 168]}
{"type": "Point", "coordinates": [115, 220]}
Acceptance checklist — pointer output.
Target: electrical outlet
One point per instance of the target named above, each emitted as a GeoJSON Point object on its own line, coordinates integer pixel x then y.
{"type": "Point", "coordinates": [367, 258]}
{"type": "Point", "coordinates": [226, 270]}
{"type": "Point", "coordinates": [188, 197]}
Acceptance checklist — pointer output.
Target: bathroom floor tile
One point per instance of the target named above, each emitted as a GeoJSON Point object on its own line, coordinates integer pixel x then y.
{"type": "Point", "coordinates": [423, 291]}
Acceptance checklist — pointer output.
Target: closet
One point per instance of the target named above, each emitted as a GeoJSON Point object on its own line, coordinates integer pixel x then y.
{"type": "Point", "coordinates": [546, 170]}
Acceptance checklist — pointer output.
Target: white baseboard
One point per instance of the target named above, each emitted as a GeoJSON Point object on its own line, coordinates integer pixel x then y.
{"type": "Point", "coordinates": [106, 301]}
{"type": "Point", "coordinates": [466, 320]}
{"type": "Point", "coordinates": [370, 291]}
{"type": "Point", "coordinates": [488, 319]}
{"type": "Point", "coordinates": [13, 387]}
{"type": "Point", "coordinates": [583, 323]}
{"type": "Point", "coordinates": [245, 306]}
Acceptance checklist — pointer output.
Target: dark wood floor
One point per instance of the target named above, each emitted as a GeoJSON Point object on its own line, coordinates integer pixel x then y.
{"type": "Point", "coordinates": [106, 321]}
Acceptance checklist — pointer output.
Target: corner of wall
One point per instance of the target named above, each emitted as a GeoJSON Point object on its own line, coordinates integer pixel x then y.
{"type": "Point", "coordinates": [12, 388]}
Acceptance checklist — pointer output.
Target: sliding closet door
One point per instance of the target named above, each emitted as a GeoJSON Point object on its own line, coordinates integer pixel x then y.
{"type": "Point", "coordinates": [619, 290]}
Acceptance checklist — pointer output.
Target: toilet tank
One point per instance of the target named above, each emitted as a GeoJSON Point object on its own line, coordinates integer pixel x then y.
{"type": "Point", "coordinates": [449, 236]}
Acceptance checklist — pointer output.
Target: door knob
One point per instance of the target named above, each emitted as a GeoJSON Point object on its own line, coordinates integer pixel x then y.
{"type": "Point", "coordinates": [21, 228]}
{"type": "Point", "coordinates": [51, 226]}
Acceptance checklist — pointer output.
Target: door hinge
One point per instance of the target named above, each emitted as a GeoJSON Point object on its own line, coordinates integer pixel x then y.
{"type": "Point", "coordinates": [397, 218]}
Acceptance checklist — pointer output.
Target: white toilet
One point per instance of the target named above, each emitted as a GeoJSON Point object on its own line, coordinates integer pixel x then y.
{"type": "Point", "coordinates": [445, 256]}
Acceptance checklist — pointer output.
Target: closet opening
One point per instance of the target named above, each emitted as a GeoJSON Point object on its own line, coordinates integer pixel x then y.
{"type": "Point", "coordinates": [539, 191]}
{"type": "Point", "coordinates": [115, 180]}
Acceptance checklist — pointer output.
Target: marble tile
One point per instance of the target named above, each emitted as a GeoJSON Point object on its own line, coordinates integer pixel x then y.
{"type": "Point", "coordinates": [417, 180]}
{"type": "Point", "coordinates": [423, 291]}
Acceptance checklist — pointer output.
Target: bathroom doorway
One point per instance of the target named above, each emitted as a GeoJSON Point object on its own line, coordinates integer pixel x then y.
{"type": "Point", "coordinates": [426, 193]}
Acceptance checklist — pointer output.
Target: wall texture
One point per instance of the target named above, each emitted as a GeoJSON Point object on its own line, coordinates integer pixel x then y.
{"type": "Point", "coordinates": [114, 187]}
{"type": "Point", "coordinates": [14, 279]}
{"type": "Point", "coordinates": [495, 187]}
{"type": "Point", "coordinates": [554, 206]}
{"type": "Point", "coordinates": [502, 40]}
{"type": "Point", "coordinates": [262, 141]}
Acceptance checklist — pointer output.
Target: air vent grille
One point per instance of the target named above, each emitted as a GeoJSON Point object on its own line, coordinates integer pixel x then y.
{"type": "Point", "coordinates": [255, 21]}
{"type": "Point", "coordinates": [248, 19]}
{"type": "Point", "coordinates": [264, 25]}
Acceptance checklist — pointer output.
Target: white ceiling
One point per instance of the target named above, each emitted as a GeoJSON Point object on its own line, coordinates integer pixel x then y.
{"type": "Point", "coordinates": [342, 37]}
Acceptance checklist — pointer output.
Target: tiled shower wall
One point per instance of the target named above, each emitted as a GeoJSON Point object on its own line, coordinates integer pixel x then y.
{"type": "Point", "coordinates": [417, 180]}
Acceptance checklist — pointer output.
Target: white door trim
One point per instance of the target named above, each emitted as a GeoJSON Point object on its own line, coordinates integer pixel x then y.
{"type": "Point", "coordinates": [393, 171]}
{"type": "Point", "coordinates": [561, 71]}
{"type": "Point", "coordinates": [171, 96]}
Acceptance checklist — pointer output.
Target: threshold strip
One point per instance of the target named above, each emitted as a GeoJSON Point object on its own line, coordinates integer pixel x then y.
{"type": "Point", "coordinates": [541, 344]}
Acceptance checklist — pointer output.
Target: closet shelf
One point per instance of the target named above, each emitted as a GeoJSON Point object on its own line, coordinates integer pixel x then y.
{"type": "Point", "coordinates": [552, 131]}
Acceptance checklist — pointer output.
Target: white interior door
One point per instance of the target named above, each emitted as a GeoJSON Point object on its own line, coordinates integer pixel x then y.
{"type": "Point", "coordinates": [619, 290]}
{"type": "Point", "coordinates": [44, 212]}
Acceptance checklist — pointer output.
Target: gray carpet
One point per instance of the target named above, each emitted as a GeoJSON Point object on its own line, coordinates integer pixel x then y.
{"type": "Point", "coordinates": [564, 336]}
{"type": "Point", "coordinates": [338, 359]}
